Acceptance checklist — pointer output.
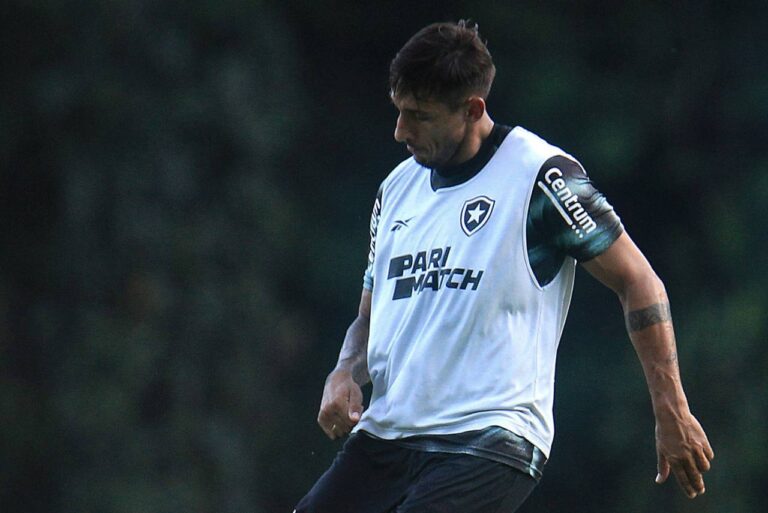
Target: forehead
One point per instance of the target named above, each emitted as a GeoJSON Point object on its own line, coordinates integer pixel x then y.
{"type": "Point", "coordinates": [408, 102]}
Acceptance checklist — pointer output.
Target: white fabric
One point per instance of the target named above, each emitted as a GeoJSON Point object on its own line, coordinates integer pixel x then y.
{"type": "Point", "coordinates": [452, 360]}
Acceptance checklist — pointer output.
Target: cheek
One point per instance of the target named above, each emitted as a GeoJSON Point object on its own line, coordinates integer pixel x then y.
{"type": "Point", "coordinates": [451, 137]}
{"type": "Point", "coordinates": [443, 136]}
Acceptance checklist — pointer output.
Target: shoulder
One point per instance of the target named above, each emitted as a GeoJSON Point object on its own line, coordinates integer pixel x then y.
{"type": "Point", "coordinates": [530, 152]}
{"type": "Point", "coordinates": [538, 148]}
{"type": "Point", "coordinates": [403, 171]}
{"type": "Point", "coordinates": [561, 171]}
{"type": "Point", "coordinates": [401, 178]}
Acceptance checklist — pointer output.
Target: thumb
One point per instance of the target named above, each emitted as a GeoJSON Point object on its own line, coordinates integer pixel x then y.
{"type": "Point", "coordinates": [663, 468]}
{"type": "Point", "coordinates": [355, 404]}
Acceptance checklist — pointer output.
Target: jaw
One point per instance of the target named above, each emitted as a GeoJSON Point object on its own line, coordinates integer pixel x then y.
{"type": "Point", "coordinates": [454, 152]}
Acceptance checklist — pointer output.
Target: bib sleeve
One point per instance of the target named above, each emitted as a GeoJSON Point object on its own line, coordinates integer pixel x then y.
{"type": "Point", "coordinates": [368, 276]}
{"type": "Point", "coordinates": [567, 216]}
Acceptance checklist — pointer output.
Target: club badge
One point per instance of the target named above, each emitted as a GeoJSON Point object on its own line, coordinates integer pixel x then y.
{"type": "Point", "coordinates": [475, 213]}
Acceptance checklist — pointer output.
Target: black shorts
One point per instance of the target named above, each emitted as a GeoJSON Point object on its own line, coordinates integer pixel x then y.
{"type": "Point", "coordinates": [370, 475]}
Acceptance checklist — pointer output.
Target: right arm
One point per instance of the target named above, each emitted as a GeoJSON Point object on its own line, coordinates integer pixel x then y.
{"type": "Point", "coordinates": [342, 402]}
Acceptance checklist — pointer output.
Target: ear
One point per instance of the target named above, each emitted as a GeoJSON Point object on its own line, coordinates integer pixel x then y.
{"type": "Point", "coordinates": [475, 108]}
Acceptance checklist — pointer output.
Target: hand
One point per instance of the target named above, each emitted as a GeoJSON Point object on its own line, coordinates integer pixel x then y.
{"type": "Point", "coordinates": [341, 406]}
{"type": "Point", "coordinates": [682, 448]}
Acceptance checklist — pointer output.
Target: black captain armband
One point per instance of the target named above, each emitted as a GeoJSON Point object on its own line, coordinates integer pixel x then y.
{"type": "Point", "coordinates": [567, 216]}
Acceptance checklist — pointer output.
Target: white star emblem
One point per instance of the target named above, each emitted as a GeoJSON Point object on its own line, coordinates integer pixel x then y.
{"type": "Point", "coordinates": [472, 220]}
{"type": "Point", "coordinates": [475, 214]}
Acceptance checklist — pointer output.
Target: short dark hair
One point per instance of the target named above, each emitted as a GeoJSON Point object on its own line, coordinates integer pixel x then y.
{"type": "Point", "coordinates": [445, 62]}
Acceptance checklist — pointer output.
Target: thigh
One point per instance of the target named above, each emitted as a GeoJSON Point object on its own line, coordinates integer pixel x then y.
{"type": "Point", "coordinates": [367, 476]}
{"type": "Point", "coordinates": [459, 483]}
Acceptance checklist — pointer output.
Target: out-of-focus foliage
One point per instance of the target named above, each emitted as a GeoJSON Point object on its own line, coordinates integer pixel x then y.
{"type": "Point", "coordinates": [185, 190]}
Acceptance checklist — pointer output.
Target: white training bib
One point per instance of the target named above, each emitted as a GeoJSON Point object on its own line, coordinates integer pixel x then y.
{"type": "Point", "coordinates": [461, 336]}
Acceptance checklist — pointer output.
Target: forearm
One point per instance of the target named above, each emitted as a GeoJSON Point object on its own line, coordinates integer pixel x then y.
{"type": "Point", "coordinates": [681, 445]}
{"type": "Point", "coordinates": [342, 402]}
{"type": "Point", "coordinates": [649, 325]}
{"type": "Point", "coordinates": [353, 356]}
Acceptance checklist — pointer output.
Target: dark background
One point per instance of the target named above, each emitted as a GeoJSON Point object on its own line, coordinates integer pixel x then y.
{"type": "Point", "coordinates": [185, 190]}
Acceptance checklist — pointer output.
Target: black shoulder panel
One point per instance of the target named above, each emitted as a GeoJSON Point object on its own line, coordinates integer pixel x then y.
{"type": "Point", "coordinates": [567, 216]}
{"type": "Point", "coordinates": [375, 215]}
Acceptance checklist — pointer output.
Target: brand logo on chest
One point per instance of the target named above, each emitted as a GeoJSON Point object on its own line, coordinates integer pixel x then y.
{"type": "Point", "coordinates": [475, 214]}
{"type": "Point", "coordinates": [428, 270]}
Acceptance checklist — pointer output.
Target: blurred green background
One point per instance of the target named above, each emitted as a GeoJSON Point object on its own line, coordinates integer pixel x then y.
{"type": "Point", "coordinates": [186, 188]}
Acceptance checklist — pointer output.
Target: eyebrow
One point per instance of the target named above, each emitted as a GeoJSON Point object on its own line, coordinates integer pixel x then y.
{"type": "Point", "coordinates": [412, 110]}
{"type": "Point", "coordinates": [392, 101]}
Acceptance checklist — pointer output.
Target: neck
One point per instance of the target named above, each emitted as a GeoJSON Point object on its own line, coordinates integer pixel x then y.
{"type": "Point", "coordinates": [477, 133]}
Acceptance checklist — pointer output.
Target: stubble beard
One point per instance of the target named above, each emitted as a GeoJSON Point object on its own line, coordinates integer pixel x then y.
{"type": "Point", "coordinates": [446, 155]}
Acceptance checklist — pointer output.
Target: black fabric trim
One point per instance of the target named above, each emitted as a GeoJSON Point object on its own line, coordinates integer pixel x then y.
{"type": "Point", "coordinates": [451, 176]}
{"type": "Point", "coordinates": [375, 217]}
{"type": "Point", "coordinates": [493, 443]}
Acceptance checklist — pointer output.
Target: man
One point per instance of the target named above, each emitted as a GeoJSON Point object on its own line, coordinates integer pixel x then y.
{"type": "Point", "coordinates": [473, 248]}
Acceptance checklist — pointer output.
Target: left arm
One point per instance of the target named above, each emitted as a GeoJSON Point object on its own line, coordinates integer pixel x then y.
{"type": "Point", "coordinates": [681, 444]}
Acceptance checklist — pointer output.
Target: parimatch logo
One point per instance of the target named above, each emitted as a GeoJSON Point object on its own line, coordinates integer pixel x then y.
{"type": "Point", "coordinates": [428, 270]}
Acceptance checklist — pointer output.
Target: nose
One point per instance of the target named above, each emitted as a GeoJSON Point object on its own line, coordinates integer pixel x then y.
{"type": "Point", "coordinates": [401, 131]}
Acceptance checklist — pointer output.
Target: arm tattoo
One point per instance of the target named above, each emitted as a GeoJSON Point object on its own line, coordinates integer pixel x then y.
{"type": "Point", "coordinates": [354, 352]}
{"type": "Point", "coordinates": [358, 365]}
{"type": "Point", "coordinates": [648, 316]}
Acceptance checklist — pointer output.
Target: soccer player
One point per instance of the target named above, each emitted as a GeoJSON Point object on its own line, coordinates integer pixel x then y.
{"type": "Point", "coordinates": [474, 242]}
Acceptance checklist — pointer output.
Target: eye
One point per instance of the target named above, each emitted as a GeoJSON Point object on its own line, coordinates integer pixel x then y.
{"type": "Point", "coordinates": [422, 116]}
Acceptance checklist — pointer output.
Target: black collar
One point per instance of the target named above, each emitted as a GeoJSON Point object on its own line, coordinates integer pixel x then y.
{"type": "Point", "coordinates": [454, 175]}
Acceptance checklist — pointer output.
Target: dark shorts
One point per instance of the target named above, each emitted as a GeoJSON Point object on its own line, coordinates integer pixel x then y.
{"type": "Point", "coordinates": [374, 476]}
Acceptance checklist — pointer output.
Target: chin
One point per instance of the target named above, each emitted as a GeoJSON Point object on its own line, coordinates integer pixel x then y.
{"type": "Point", "coordinates": [426, 162]}
{"type": "Point", "coordinates": [423, 162]}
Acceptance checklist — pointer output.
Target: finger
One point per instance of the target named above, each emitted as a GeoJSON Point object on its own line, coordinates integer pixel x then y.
{"type": "Point", "coordinates": [663, 469]}
{"type": "Point", "coordinates": [340, 413]}
{"type": "Point", "coordinates": [340, 425]}
{"type": "Point", "coordinates": [708, 452]}
{"type": "Point", "coordinates": [325, 420]}
{"type": "Point", "coordinates": [335, 413]}
{"type": "Point", "coordinates": [326, 428]}
{"type": "Point", "coordinates": [330, 422]}
{"type": "Point", "coordinates": [355, 404]}
{"type": "Point", "coordinates": [343, 422]}
{"type": "Point", "coordinates": [340, 430]}
{"type": "Point", "coordinates": [683, 481]}
{"type": "Point", "coordinates": [694, 476]}
{"type": "Point", "coordinates": [702, 462]}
